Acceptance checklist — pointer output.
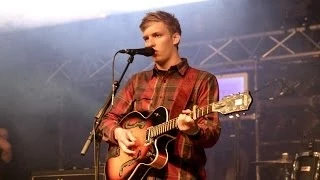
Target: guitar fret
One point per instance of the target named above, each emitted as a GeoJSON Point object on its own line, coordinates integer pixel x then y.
{"type": "Point", "coordinates": [198, 113]}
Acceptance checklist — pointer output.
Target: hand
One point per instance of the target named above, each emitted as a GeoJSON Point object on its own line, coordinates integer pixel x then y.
{"type": "Point", "coordinates": [125, 139]}
{"type": "Point", "coordinates": [186, 124]}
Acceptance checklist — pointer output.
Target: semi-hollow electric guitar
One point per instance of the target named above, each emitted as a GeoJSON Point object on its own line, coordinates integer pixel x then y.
{"type": "Point", "coordinates": [153, 138]}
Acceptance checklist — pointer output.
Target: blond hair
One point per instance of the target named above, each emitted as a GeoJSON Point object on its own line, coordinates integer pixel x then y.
{"type": "Point", "coordinates": [168, 19]}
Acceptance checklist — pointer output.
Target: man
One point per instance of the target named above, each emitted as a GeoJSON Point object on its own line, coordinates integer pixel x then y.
{"type": "Point", "coordinates": [5, 151]}
{"type": "Point", "coordinates": [161, 86]}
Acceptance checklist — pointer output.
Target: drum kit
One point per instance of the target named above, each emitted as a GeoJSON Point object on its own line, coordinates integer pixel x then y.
{"type": "Point", "coordinates": [305, 165]}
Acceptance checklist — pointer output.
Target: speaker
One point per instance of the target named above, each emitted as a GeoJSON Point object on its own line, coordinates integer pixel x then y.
{"type": "Point", "coordinates": [76, 174]}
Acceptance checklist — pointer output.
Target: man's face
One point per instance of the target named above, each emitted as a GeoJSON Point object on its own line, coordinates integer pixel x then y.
{"type": "Point", "coordinates": [158, 36]}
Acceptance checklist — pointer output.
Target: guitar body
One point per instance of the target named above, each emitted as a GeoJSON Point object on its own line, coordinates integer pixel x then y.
{"type": "Point", "coordinates": [149, 154]}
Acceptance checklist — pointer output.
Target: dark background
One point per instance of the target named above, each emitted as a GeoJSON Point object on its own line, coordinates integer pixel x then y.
{"type": "Point", "coordinates": [54, 80]}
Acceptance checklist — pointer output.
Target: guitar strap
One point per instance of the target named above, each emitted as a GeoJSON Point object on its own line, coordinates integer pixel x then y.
{"type": "Point", "coordinates": [187, 85]}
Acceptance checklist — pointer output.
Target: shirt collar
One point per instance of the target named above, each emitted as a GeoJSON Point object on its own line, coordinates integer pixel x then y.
{"type": "Point", "coordinates": [181, 68]}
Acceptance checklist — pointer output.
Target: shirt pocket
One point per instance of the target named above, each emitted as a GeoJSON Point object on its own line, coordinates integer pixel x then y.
{"type": "Point", "coordinates": [142, 104]}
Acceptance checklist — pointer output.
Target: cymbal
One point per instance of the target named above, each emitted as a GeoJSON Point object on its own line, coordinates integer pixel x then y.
{"type": "Point", "coordinates": [274, 162]}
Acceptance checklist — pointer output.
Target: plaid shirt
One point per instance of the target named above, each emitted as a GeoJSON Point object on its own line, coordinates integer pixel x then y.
{"type": "Point", "coordinates": [146, 91]}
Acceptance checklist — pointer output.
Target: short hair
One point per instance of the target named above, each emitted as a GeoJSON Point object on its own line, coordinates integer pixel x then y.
{"type": "Point", "coordinates": [168, 19]}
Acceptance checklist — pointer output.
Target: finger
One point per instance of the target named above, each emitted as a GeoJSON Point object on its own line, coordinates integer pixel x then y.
{"type": "Point", "coordinates": [186, 111]}
{"type": "Point", "coordinates": [131, 136]}
{"type": "Point", "coordinates": [189, 120]}
{"type": "Point", "coordinates": [181, 118]}
{"type": "Point", "coordinates": [125, 148]}
{"type": "Point", "coordinates": [128, 143]}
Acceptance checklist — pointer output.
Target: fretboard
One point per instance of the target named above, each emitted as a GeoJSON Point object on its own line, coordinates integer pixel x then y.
{"type": "Point", "coordinates": [172, 124]}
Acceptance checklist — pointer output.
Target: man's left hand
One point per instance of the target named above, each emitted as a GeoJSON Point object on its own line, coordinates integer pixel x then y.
{"type": "Point", "coordinates": [186, 124]}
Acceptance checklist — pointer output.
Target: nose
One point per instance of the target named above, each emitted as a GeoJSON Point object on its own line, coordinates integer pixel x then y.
{"type": "Point", "coordinates": [150, 43]}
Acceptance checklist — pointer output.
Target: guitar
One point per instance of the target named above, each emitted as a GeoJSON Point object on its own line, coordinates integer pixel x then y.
{"type": "Point", "coordinates": [153, 138]}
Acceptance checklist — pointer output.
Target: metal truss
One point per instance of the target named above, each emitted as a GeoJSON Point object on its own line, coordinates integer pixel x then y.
{"type": "Point", "coordinates": [230, 54]}
{"type": "Point", "coordinates": [239, 52]}
{"type": "Point", "coordinates": [83, 68]}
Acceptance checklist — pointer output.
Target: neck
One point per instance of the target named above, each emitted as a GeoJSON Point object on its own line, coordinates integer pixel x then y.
{"type": "Point", "coordinates": [174, 60]}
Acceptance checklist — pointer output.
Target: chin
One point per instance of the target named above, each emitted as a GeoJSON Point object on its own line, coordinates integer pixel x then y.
{"type": "Point", "coordinates": [156, 58]}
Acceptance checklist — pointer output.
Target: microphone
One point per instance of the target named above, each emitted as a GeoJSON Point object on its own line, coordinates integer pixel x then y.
{"type": "Point", "coordinates": [147, 51]}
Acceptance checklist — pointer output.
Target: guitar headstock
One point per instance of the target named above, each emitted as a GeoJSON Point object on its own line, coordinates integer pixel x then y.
{"type": "Point", "coordinates": [235, 103]}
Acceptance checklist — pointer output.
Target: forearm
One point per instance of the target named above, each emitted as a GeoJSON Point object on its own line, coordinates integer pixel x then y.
{"type": "Point", "coordinates": [111, 120]}
{"type": "Point", "coordinates": [209, 132]}
{"type": "Point", "coordinates": [109, 124]}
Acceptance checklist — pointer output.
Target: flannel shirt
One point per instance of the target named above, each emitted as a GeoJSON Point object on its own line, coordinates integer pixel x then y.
{"type": "Point", "coordinates": [147, 90]}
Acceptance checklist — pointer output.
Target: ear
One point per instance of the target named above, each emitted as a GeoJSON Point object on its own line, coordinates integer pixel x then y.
{"type": "Point", "coordinates": [176, 38]}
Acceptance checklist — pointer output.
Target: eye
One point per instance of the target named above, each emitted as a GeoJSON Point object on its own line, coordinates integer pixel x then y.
{"type": "Point", "coordinates": [145, 39]}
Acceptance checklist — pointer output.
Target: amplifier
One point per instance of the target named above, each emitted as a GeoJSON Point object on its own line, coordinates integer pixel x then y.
{"type": "Point", "coordinates": [75, 174]}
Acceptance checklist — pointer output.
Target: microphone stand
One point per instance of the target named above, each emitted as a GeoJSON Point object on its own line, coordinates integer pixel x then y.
{"type": "Point", "coordinates": [237, 146]}
{"type": "Point", "coordinates": [96, 133]}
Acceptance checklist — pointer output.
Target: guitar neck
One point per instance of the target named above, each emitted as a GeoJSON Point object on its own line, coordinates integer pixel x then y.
{"type": "Point", "coordinates": [195, 114]}
{"type": "Point", "coordinates": [228, 104]}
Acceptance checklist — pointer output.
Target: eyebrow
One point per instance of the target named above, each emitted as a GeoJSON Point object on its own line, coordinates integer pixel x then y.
{"type": "Point", "coordinates": [154, 33]}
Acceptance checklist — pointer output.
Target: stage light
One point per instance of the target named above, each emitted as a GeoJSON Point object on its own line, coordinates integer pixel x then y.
{"type": "Point", "coordinates": [35, 13]}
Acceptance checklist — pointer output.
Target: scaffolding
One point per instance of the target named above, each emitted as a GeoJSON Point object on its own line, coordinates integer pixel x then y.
{"type": "Point", "coordinates": [245, 52]}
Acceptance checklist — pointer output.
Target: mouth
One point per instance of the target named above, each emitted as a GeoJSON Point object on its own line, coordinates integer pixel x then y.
{"type": "Point", "coordinates": [155, 53]}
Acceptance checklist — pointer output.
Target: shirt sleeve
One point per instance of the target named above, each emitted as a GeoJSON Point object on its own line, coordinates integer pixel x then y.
{"type": "Point", "coordinates": [122, 105]}
{"type": "Point", "coordinates": [210, 127]}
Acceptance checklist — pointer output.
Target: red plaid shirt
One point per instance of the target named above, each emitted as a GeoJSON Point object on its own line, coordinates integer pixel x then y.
{"type": "Point", "coordinates": [146, 91]}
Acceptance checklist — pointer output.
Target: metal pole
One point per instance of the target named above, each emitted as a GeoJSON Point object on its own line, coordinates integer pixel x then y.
{"type": "Point", "coordinates": [257, 127]}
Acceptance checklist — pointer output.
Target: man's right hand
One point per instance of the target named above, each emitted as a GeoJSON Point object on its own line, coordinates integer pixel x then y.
{"type": "Point", "coordinates": [125, 139]}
